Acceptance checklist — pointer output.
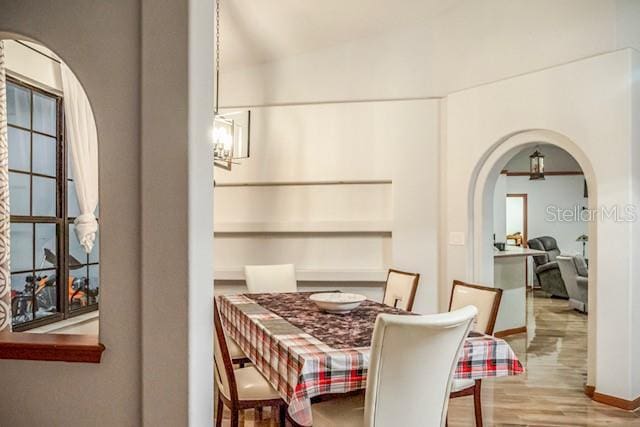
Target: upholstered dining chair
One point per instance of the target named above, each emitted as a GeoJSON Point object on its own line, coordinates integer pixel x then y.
{"type": "Point", "coordinates": [242, 388]}
{"type": "Point", "coordinates": [487, 300]}
{"type": "Point", "coordinates": [404, 363]}
{"type": "Point", "coordinates": [400, 291]}
{"type": "Point", "coordinates": [271, 278]}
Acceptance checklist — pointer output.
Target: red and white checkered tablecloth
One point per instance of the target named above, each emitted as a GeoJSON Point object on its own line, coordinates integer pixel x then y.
{"type": "Point", "coordinates": [301, 366]}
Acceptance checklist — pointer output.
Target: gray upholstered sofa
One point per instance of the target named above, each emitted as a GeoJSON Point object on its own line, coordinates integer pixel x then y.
{"type": "Point", "coordinates": [575, 276]}
{"type": "Point", "coordinates": [546, 266]}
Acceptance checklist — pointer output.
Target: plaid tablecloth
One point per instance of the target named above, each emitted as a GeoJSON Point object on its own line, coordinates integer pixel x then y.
{"type": "Point", "coordinates": [301, 366]}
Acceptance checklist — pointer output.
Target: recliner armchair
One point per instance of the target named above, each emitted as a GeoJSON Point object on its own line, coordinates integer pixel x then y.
{"type": "Point", "coordinates": [575, 276]}
{"type": "Point", "coordinates": [546, 266]}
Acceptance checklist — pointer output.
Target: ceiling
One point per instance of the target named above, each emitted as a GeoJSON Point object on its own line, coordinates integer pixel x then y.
{"type": "Point", "coordinates": [258, 31]}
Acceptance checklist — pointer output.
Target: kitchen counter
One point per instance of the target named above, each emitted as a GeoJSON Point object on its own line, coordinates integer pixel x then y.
{"type": "Point", "coordinates": [510, 275]}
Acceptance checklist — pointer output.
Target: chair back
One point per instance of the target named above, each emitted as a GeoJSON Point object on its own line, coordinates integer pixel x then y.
{"type": "Point", "coordinates": [547, 244]}
{"type": "Point", "coordinates": [576, 284]}
{"type": "Point", "coordinates": [270, 278]}
{"type": "Point", "coordinates": [569, 273]}
{"type": "Point", "coordinates": [486, 299]}
{"type": "Point", "coordinates": [581, 265]}
{"type": "Point", "coordinates": [223, 366]}
{"type": "Point", "coordinates": [400, 291]}
{"type": "Point", "coordinates": [413, 359]}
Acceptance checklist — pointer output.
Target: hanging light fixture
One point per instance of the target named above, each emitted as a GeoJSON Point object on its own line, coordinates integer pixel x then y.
{"type": "Point", "coordinates": [536, 165]}
{"type": "Point", "coordinates": [231, 136]}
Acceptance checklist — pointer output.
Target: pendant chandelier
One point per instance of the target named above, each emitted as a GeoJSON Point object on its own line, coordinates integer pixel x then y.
{"type": "Point", "coordinates": [231, 135]}
{"type": "Point", "coordinates": [536, 166]}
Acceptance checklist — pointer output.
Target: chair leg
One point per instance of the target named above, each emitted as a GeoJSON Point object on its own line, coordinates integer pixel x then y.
{"type": "Point", "coordinates": [282, 415]}
{"type": "Point", "coordinates": [220, 409]}
{"type": "Point", "coordinates": [477, 404]}
{"type": "Point", "coordinates": [235, 417]}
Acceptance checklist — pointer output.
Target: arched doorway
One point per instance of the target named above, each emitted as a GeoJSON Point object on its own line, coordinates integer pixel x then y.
{"type": "Point", "coordinates": [482, 187]}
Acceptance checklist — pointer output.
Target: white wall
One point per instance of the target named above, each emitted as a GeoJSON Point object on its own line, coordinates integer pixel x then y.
{"type": "Point", "coordinates": [634, 301]}
{"type": "Point", "coordinates": [589, 103]}
{"type": "Point", "coordinates": [104, 43]}
{"type": "Point", "coordinates": [177, 211]}
{"type": "Point", "coordinates": [335, 232]}
{"type": "Point", "coordinates": [563, 192]}
{"type": "Point", "coordinates": [500, 209]}
{"type": "Point", "coordinates": [472, 43]}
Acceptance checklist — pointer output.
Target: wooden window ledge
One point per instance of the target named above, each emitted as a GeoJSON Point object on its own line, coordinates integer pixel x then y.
{"type": "Point", "coordinates": [51, 347]}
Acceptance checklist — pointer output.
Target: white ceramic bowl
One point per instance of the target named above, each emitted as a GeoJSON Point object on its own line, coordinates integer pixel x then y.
{"type": "Point", "coordinates": [337, 302]}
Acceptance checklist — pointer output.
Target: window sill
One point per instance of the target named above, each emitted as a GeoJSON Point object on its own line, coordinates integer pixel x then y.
{"type": "Point", "coordinates": [51, 347]}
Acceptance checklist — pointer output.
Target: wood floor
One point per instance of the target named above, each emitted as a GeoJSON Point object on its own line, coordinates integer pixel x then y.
{"type": "Point", "coordinates": [550, 393]}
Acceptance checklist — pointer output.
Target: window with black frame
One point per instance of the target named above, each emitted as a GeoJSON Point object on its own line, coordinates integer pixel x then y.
{"type": "Point", "coordinates": [43, 205]}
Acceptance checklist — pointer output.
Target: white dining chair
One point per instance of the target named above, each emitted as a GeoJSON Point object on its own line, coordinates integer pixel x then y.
{"type": "Point", "coordinates": [400, 290]}
{"type": "Point", "coordinates": [487, 301]}
{"type": "Point", "coordinates": [270, 278]}
{"type": "Point", "coordinates": [242, 388]}
{"type": "Point", "coordinates": [413, 359]}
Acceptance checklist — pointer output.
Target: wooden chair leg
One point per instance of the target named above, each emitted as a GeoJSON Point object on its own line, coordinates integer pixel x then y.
{"type": "Point", "coordinates": [219, 411]}
{"type": "Point", "coordinates": [477, 403]}
{"type": "Point", "coordinates": [282, 415]}
{"type": "Point", "coordinates": [235, 417]}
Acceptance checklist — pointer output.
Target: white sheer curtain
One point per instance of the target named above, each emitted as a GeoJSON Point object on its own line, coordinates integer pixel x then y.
{"type": "Point", "coordinates": [82, 139]}
{"type": "Point", "coordinates": [5, 270]}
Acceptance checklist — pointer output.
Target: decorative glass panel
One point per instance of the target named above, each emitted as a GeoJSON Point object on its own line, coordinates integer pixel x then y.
{"type": "Point", "coordinates": [46, 246]}
{"type": "Point", "coordinates": [21, 247]}
{"type": "Point", "coordinates": [44, 155]}
{"type": "Point", "coordinates": [44, 196]}
{"type": "Point", "coordinates": [46, 293]}
{"type": "Point", "coordinates": [44, 114]}
{"type": "Point", "coordinates": [94, 284]}
{"type": "Point", "coordinates": [21, 298]}
{"type": "Point", "coordinates": [18, 106]}
{"type": "Point", "coordinates": [73, 210]}
{"type": "Point", "coordinates": [19, 149]}
{"type": "Point", "coordinates": [19, 195]}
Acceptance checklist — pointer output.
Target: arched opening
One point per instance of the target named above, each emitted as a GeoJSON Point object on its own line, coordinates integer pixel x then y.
{"type": "Point", "coordinates": [481, 218]}
{"type": "Point", "coordinates": [52, 246]}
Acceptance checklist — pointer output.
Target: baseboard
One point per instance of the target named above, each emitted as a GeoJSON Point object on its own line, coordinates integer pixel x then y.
{"type": "Point", "coordinates": [629, 405]}
{"type": "Point", "coordinates": [589, 390]}
{"type": "Point", "coordinates": [507, 332]}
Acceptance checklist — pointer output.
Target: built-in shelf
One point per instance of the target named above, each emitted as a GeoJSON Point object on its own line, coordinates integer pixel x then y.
{"type": "Point", "coordinates": [304, 227]}
{"type": "Point", "coordinates": [299, 183]}
{"type": "Point", "coordinates": [373, 275]}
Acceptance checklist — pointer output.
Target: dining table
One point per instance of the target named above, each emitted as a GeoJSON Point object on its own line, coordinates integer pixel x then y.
{"type": "Point", "coordinates": [305, 352]}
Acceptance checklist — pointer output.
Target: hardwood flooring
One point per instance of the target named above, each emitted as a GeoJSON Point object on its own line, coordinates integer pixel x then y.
{"type": "Point", "coordinates": [550, 393]}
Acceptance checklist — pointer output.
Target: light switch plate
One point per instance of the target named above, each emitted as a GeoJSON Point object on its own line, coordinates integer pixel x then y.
{"type": "Point", "coordinates": [456, 238]}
